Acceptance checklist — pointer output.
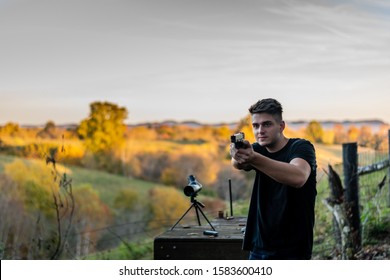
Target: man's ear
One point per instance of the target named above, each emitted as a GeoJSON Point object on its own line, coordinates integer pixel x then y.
{"type": "Point", "coordinates": [282, 126]}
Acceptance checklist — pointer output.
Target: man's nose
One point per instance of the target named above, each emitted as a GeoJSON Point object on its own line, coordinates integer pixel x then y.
{"type": "Point", "coordinates": [260, 129]}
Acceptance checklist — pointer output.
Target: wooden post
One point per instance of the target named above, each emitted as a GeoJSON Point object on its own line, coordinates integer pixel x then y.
{"type": "Point", "coordinates": [388, 172]}
{"type": "Point", "coordinates": [336, 197]}
{"type": "Point", "coordinates": [350, 168]}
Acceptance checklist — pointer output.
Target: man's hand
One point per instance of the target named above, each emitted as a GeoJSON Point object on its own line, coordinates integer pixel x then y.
{"type": "Point", "coordinates": [241, 157]}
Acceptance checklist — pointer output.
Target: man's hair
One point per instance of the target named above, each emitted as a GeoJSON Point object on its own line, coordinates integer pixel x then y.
{"type": "Point", "coordinates": [270, 106]}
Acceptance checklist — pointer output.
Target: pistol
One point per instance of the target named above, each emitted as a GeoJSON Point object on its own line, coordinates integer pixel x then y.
{"type": "Point", "coordinates": [238, 140]}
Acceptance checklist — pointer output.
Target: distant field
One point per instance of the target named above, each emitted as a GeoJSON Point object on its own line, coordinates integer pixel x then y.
{"type": "Point", "coordinates": [328, 155]}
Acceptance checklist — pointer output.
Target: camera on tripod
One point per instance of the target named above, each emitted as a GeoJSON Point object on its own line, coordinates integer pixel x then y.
{"type": "Point", "coordinates": [193, 187]}
{"type": "Point", "coordinates": [238, 140]}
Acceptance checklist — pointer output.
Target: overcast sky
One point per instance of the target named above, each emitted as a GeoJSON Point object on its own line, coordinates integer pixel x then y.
{"type": "Point", "coordinates": [203, 60]}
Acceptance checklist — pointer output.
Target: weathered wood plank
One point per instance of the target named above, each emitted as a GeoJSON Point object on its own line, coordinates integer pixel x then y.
{"type": "Point", "coordinates": [363, 170]}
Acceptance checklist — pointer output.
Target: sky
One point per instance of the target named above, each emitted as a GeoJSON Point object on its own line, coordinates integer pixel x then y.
{"type": "Point", "coordinates": [201, 60]}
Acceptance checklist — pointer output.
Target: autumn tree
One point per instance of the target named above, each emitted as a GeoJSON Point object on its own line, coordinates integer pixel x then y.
{"type": "Point", "coordinates": [204, 166]}
{"type": "Point", "coordinates": [365, 137]}
{"type": "Point", "coordinates": [130, 210]}
{"type": "Point", "coordinates": [49, 131]}
{"type": "Point", "coordinates": [314, 132]}
{"type": "Point", "coordinates": [103, 133]}
{"type": "Point", "coordinates": [380, 139]}
{"type": "Point", "coordinates": [222, 133]}
{"type": "Point", "coordinates": [340, 136]}
{"type": "Point", "coordinates": [9, 129]}
{"type": "Point", "coordinates": [328, 136]}
{"type": "Point", "coordinates": [104, 129]}
{"type": "Point", "coordinates": [245, 126]}
{"type": "Point", "coordinates": [167, 204]}
{"type": "Point", "coordinates": [353, 133]}
{"type": "Point", "coordinates": [46, 203]}
{"type": "Point", "coordinates": [91, 213]}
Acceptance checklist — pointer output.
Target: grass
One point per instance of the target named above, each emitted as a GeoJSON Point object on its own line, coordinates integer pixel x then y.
{"type": "Point", "coordinates": [4, 159]}
{"type": "Point", "coordinates": [108, 185]}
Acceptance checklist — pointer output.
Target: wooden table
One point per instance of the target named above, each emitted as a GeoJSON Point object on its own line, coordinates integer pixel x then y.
{"type": "Point", "coordinates": [190, 243]}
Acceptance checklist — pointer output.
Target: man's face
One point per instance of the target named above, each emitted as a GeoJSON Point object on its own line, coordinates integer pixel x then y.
{"type": "Point", "coordinates": [267, 130]}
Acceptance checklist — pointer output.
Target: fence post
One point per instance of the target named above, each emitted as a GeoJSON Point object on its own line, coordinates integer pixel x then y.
{"type": "Point", "coordinates": [350, 168]}
{"type": "Point", "coordinates": [388, 169]}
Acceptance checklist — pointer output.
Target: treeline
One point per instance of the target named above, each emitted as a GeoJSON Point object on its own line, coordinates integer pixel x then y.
{"type": "Point", "coordinates": [364, 136]}
{"type": "Point", "coordinates": [159, 153]}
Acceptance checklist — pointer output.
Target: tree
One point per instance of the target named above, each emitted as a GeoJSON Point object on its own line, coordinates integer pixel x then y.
{"type": "Point", "coordinates": [46, 209]}
{"type": "Point", "coordinates": [340, 136]}
{"type": "Point", "coordinates": [365, 137]}
{"type": "Point", "coordinates": [166, 204]}
{"type": "Point", "coordinates": [222, 133]}
{"type": "Point", "coordinates": [245, 126]}
{"type": "Point", "coordinates": [49, 131]}
{"type": "Point", "coordinates": [91, 213]}
{"type": "Point", "coordinates": [10, 129]}
{"type": "Point", "coordinates": [314, 132]}
{"type": "Point", "coordinates": [328, 136]}
{"type": "Point", "coordinates": [353, 134]}
{"type": "Point", "coordinates": [126, 199]}
{"type": "Point", "coordinates": [104, 129]}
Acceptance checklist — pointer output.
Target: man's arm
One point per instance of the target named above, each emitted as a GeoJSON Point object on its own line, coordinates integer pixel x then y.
{"type": "Point", "coordinates": [294, 174]}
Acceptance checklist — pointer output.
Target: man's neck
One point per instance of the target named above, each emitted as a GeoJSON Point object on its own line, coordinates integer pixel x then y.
{"type": "Point", "coordinates": [278, 145]}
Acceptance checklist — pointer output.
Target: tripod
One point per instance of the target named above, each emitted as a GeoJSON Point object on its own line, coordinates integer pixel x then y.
{"type": "Point", "coordinates": [197, 205]}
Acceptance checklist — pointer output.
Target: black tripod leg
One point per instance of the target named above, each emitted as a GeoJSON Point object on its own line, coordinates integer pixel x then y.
{"type": "Point", "coordinates": [204, 216]}
{"type": "Point", "coordinates": [197, 213]}
{"type": "Point", "coordinates": [192, 205]}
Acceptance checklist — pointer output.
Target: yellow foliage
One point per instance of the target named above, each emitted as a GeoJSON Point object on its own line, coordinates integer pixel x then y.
{"type": "Point", "coordinates": [89, 207]}
{"type": "Point", "coordinates": [169, 176]}
{"type": "Point", "coordinates": [38, 172]}
{"type": "Point", "coordinates": [167, 205]}
{"type": "Point", "coordinates": [126, 199]}
{"type": "Point", "coordinates": [36, 183]}
{"type": "Point", "coordinates": [142, 133]}
{"type": "Point", "coordinates": [182, 159]}
{"type": "Point", "coordinates": [353, 134]}
{"type": "Point", "coordinates": [328, 137]}
{"type": "Point", "coordinates": [290, 133]}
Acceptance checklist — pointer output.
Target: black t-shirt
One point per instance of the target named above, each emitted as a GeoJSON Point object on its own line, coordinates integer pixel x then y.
{"type": "Point", "coordinates": [281, 218]}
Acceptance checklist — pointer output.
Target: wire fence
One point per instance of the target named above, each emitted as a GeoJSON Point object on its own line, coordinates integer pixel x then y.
{"type": "Point", "coordinates": [375, 184]}
{"type": "Point", "coordinates": [360, 197]}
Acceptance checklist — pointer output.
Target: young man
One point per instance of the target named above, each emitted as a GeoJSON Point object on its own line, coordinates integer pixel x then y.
{"type": "Point", "coordinates": [281, 213]}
